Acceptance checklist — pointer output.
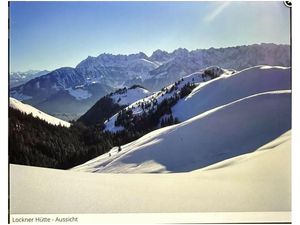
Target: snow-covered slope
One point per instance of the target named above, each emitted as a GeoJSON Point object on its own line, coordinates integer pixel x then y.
{"type": "Point", "coordinates": [227, 131]}
{"type": "Point", "coordinates": [36, 113]}
{"type": "Point", "coordinates": [254, 182]}
{"type": "Point", "coordinates": [228, 88]}
{"type": "Point", "coordinates": [127, 96]}
{"type": "Point", "coordinates": [112, 103]}
{"type": "Point", "coordinates": [149, 103]}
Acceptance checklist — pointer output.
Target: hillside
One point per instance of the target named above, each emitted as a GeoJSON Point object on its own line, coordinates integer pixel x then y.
{"type": "Point", "coordinates": [225, 89]}
{"type": "Point", "coordinates": [199, 92]}
{"type": "Point", "coordinates": [110, 104]}
{"type": "Point", "coordinates": [27, 109]}
{"type": "Point", "coordinates": [230, 130]}
{"type": "Point", "coordinates": [242, 184]}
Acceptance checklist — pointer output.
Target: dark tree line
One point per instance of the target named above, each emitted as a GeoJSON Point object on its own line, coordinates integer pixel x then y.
{"type": "Point", "coordinates": [35, 142]}
{"type": "Point", "coordinates": [101, 111]}
{"type": "Point", "coordinates": [104, 108]}
{"type": "Point", "coordinates": [152, 118]}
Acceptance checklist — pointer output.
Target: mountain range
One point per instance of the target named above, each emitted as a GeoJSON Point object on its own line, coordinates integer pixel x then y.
{"type": "Point", "coordinates": [69, 92]}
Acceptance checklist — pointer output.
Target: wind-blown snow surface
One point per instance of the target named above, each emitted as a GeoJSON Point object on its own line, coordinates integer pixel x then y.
{"type": "Point", "coordinates": [28, 109]}
{"type": "Point", "coordinates": [254, 182]}
{"type": "Point", "coordinates": [224, 132]}
{"type": "Point", "coordinates": [228, 88]}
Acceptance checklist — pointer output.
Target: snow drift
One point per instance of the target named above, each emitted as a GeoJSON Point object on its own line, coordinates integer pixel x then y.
{"type": "Point", "coordinates": [27, 109]}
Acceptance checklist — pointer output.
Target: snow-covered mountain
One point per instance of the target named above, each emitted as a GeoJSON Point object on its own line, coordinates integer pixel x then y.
{"type": "Point", "coordinates": [116, 70]}
{"type": "Point", "coordinates": [225, 87]}
{"type": "Point", "coordinates": [62, 93]}
{"type": "Point", "coordinates": [74, 87]}
{"type": "Point", "coordinates": [127, 96]}
{"type": "Point", "coordinates": [182, 62]}
{"type": "Point", "coordinates": [229, 88]}
{"type": "Point", "coordinates": [172, 93]}
{"type": "Point", "coordinates": [27, 109]}
{"type": "Point", "coordinates": [18, 78]}
{"type": "Point", "coordinates": [230, 115]}
{"type": "Point", "coordinates": [110, 104]}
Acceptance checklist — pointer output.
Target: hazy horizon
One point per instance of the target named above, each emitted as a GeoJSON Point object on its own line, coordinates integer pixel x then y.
{"type": "Point", "coordinates": [148, 55]}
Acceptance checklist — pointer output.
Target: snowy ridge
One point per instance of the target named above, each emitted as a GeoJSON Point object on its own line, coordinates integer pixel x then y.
{"type": "Point", "coordinates": [256, 101]}
{"type": "Point", "coordinates": [138, 107]}
{"type": "Point", "coordinates": [36, 113]}
{"type": "Point", "coordinates": [129, 95]}
{"type": "Point", "coordinates": [228, 88]}
{"type": "Point", "coordinates": [203, 140]}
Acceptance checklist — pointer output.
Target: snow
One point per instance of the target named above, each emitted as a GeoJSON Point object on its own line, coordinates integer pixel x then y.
{"type": "Point", "coordinates": [229, 86]}
{"type": "Point", "coordinates": [110, 125]}
{"type": "Point", "coordinates": [231, 153]}
{"type": "Point", "coordinates": [230, 130]}
{"type": "Point", "coordinates": [226, 89]}
{"type": "Point", "coordinates": [127, 66]}
{"type": "Point", "coordinates": [79, 93]}
{"type": "Point", "coordinates": [130, 96]}
{"type": "Point", "coordinates": [127, 97]}
{"type": "Point", "coordinates": [27, 109]}
{"type": "Point", "coordinates": [242, 184]}
{"type": "Point", "coordinates": [155, 64]}
{"type": "Point", "coordinates": [165, 93]}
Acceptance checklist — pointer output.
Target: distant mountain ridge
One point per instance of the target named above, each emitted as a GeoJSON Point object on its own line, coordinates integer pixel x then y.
{"type": "Point", "coordinates": [18, 78]}
{"type": "Point", "coordinates": [94, 77]}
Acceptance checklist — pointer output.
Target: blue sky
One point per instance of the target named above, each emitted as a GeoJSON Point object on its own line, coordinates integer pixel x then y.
{"type": "Point", "coordinates": [49, 35]}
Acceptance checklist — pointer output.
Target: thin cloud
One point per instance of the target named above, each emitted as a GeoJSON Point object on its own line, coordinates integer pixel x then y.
{"type": "Point", "coordinates": [212, 15]}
